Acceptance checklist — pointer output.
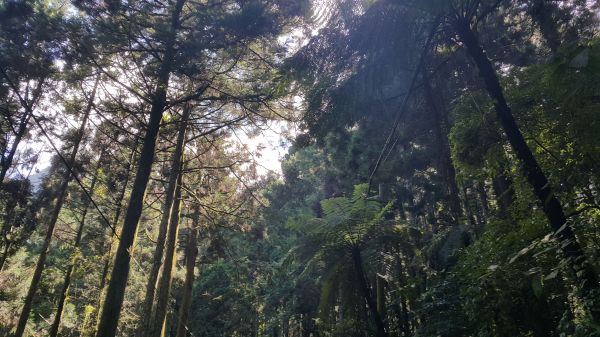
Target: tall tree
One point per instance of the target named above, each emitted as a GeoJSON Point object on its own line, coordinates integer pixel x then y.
{"type": "Point", "coordinates": [191, 253]}
{"type": "Point", "coordinates": [60, 199]}
{"type": "Point", "coordinates": [31, 42]}
{"type": "Point", "coordinates": [532, 170]}
{"type": "Point", "coordinates": [247, 22]}
{"type": "Point", "coordinates": [165, 222]}
{"type": "Point", "coordinates": [159, 324]}
{"type": "Point", "coordinates": [54, 328]}
{"type": "Point", "coordinates": [113, 236]}
{"type": "Point", "coordinates": [118, 280]}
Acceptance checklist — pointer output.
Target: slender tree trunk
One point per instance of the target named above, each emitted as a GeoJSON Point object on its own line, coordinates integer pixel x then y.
{"type": "Point", "coordinates": [62, 193]}
{"type": "Point", "coordinates": [90, 329]}
{"type": "Point", "coordinates": [7, 161]}
{"type": "Point", "coordinates": [305, 325]}
{"type": "Point", "coordinates": [115, 294]}
{"type": "Point", "coordinates": [401, 313]}
{"type": "Point", "coordinates": [255, 325]}
{"type": "Point", "coordinates": [502, 185]}
{"type": "Point", "coordinates": [164, 284]}
{"type": "Point", "coordinates": [24, 121]}
{"type": "Point", "coordinates": [410, 210]}
{"type": "Point", "coordinates": [164, 225]}
{"type": "Point", "coordinates": [441, 130]}
{"type": "Point", "coordinates": [340, 304]}
{"type": "Point", "coordinates": [367, 293]}
{"type": "Point", "coordinates": [9, 217]}
{"type": "Point", "coordinates": [9, 210]}
{"type": "Point", "coordinates": [73, 262]}
{"type": "Point", "coordinates": [285, 327]}
{"type": "Point", "coordinates": [468, 210]}
{"type": "Point", "coordinates": [108, 254]}
{"type": "Point", "coordinates": [402, 310]}
{"type": "Point", "coordinates": [191, 253]}
{"type": "Point", "coordinates": [483, 199]}
{"type": "Point", "coordinates": [483, 205]}
{"type": "Point", "coordinates": [380, 288]}
{"type": "Point", "coordinates": [111, 309]}
{"type": "Point", "coordinates": [405, 317]}
{"type": "Point", "coordinates": [536, 177]}
{"type": "Point", "coordinates": [5, 254]}
{"type": "Point", "coordinates": [381, 306]}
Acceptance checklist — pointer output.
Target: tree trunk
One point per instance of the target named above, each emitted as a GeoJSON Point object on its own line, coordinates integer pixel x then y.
{"type": "Point", "coordinates": [191, 253]}
{"type": "Point", "coordinates": [28, 106]}
{"type": "Point", "coordinates": [163, 290]}
{"type": "Point", "coordinates": [381, 306]}
{"type": "Point", "coordinates": [483, 199]}
{"type": "Point", "coordinates": [115, 294]}
{"type": "Point", "coordinates": [502, 185]}
{"type": "Point", "coordinates": [108, 255]}
{"type": "Point", "coordinates": [164, 283]}
{"type": "Point", "coordinates": [306, 325]}
{"type": "Point", "coordinates": [411, 215]}
{"type": "Point", "coordinates": [67, 281]}
{"type": "Point", "coordinates": [541, 187]}
{"type": "Point", "coordinates": [482, 206]}
{"type": "Point", "coordinates": [405, 317]}
{"type": "Point", "coordinates": [441, 130]}
{"type": "Point", "coordinates": [111, 309]}
{"type": "Point", "coordinates": [164, 225]}
{"type": "Point", "coordinates": [468, 209]}
{"type": "Point", "coordinates": [402, 313]}
{"type": "Point", "coordinates": [367, 293]}
{"type": "Point", "coordinates": [285, 327]}
{"type": "Point", "coordinates": [61, 195]}
{"type": "Point", "coordinates": [8, 219]}
{"type": "Point", "coordinates": [5, 254]}
{"type": "Point", "coordinates": [7, 161]}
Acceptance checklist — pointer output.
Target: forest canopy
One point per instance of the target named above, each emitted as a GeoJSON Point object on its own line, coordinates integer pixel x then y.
{"type": "Point", "coordinates": [440, 173]}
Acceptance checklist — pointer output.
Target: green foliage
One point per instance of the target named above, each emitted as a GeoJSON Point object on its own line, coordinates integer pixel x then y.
{"type": "Point", "coordinates": [325, 248]}
{"type": "Point", "coordinates": [223, 301]}
{"type": "Point", "coordinates": [400, 196]}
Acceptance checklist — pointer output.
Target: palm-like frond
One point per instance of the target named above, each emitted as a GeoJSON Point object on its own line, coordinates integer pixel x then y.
{"type": "Point", "coordinates": [324, 252]}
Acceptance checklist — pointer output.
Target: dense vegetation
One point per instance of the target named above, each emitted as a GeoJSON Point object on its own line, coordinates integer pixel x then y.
{"type": "Point", "coordinates": [442, 175]}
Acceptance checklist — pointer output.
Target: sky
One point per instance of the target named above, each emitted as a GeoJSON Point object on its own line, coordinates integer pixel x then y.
{"type": "Point", "coordinates": [267, 149]}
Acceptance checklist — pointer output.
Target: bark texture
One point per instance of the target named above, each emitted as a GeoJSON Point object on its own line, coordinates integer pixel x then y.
{"type": "Point", "coordinates": [158, 328]}
{"type": "Point", "coordinates": [191, 254]}
{"type": "Point", "coordinates": [111, 310]}
{"type": "Point", "coordinates": [108, 254]}
{"type": "Point", "coordinates": [164, 225]}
